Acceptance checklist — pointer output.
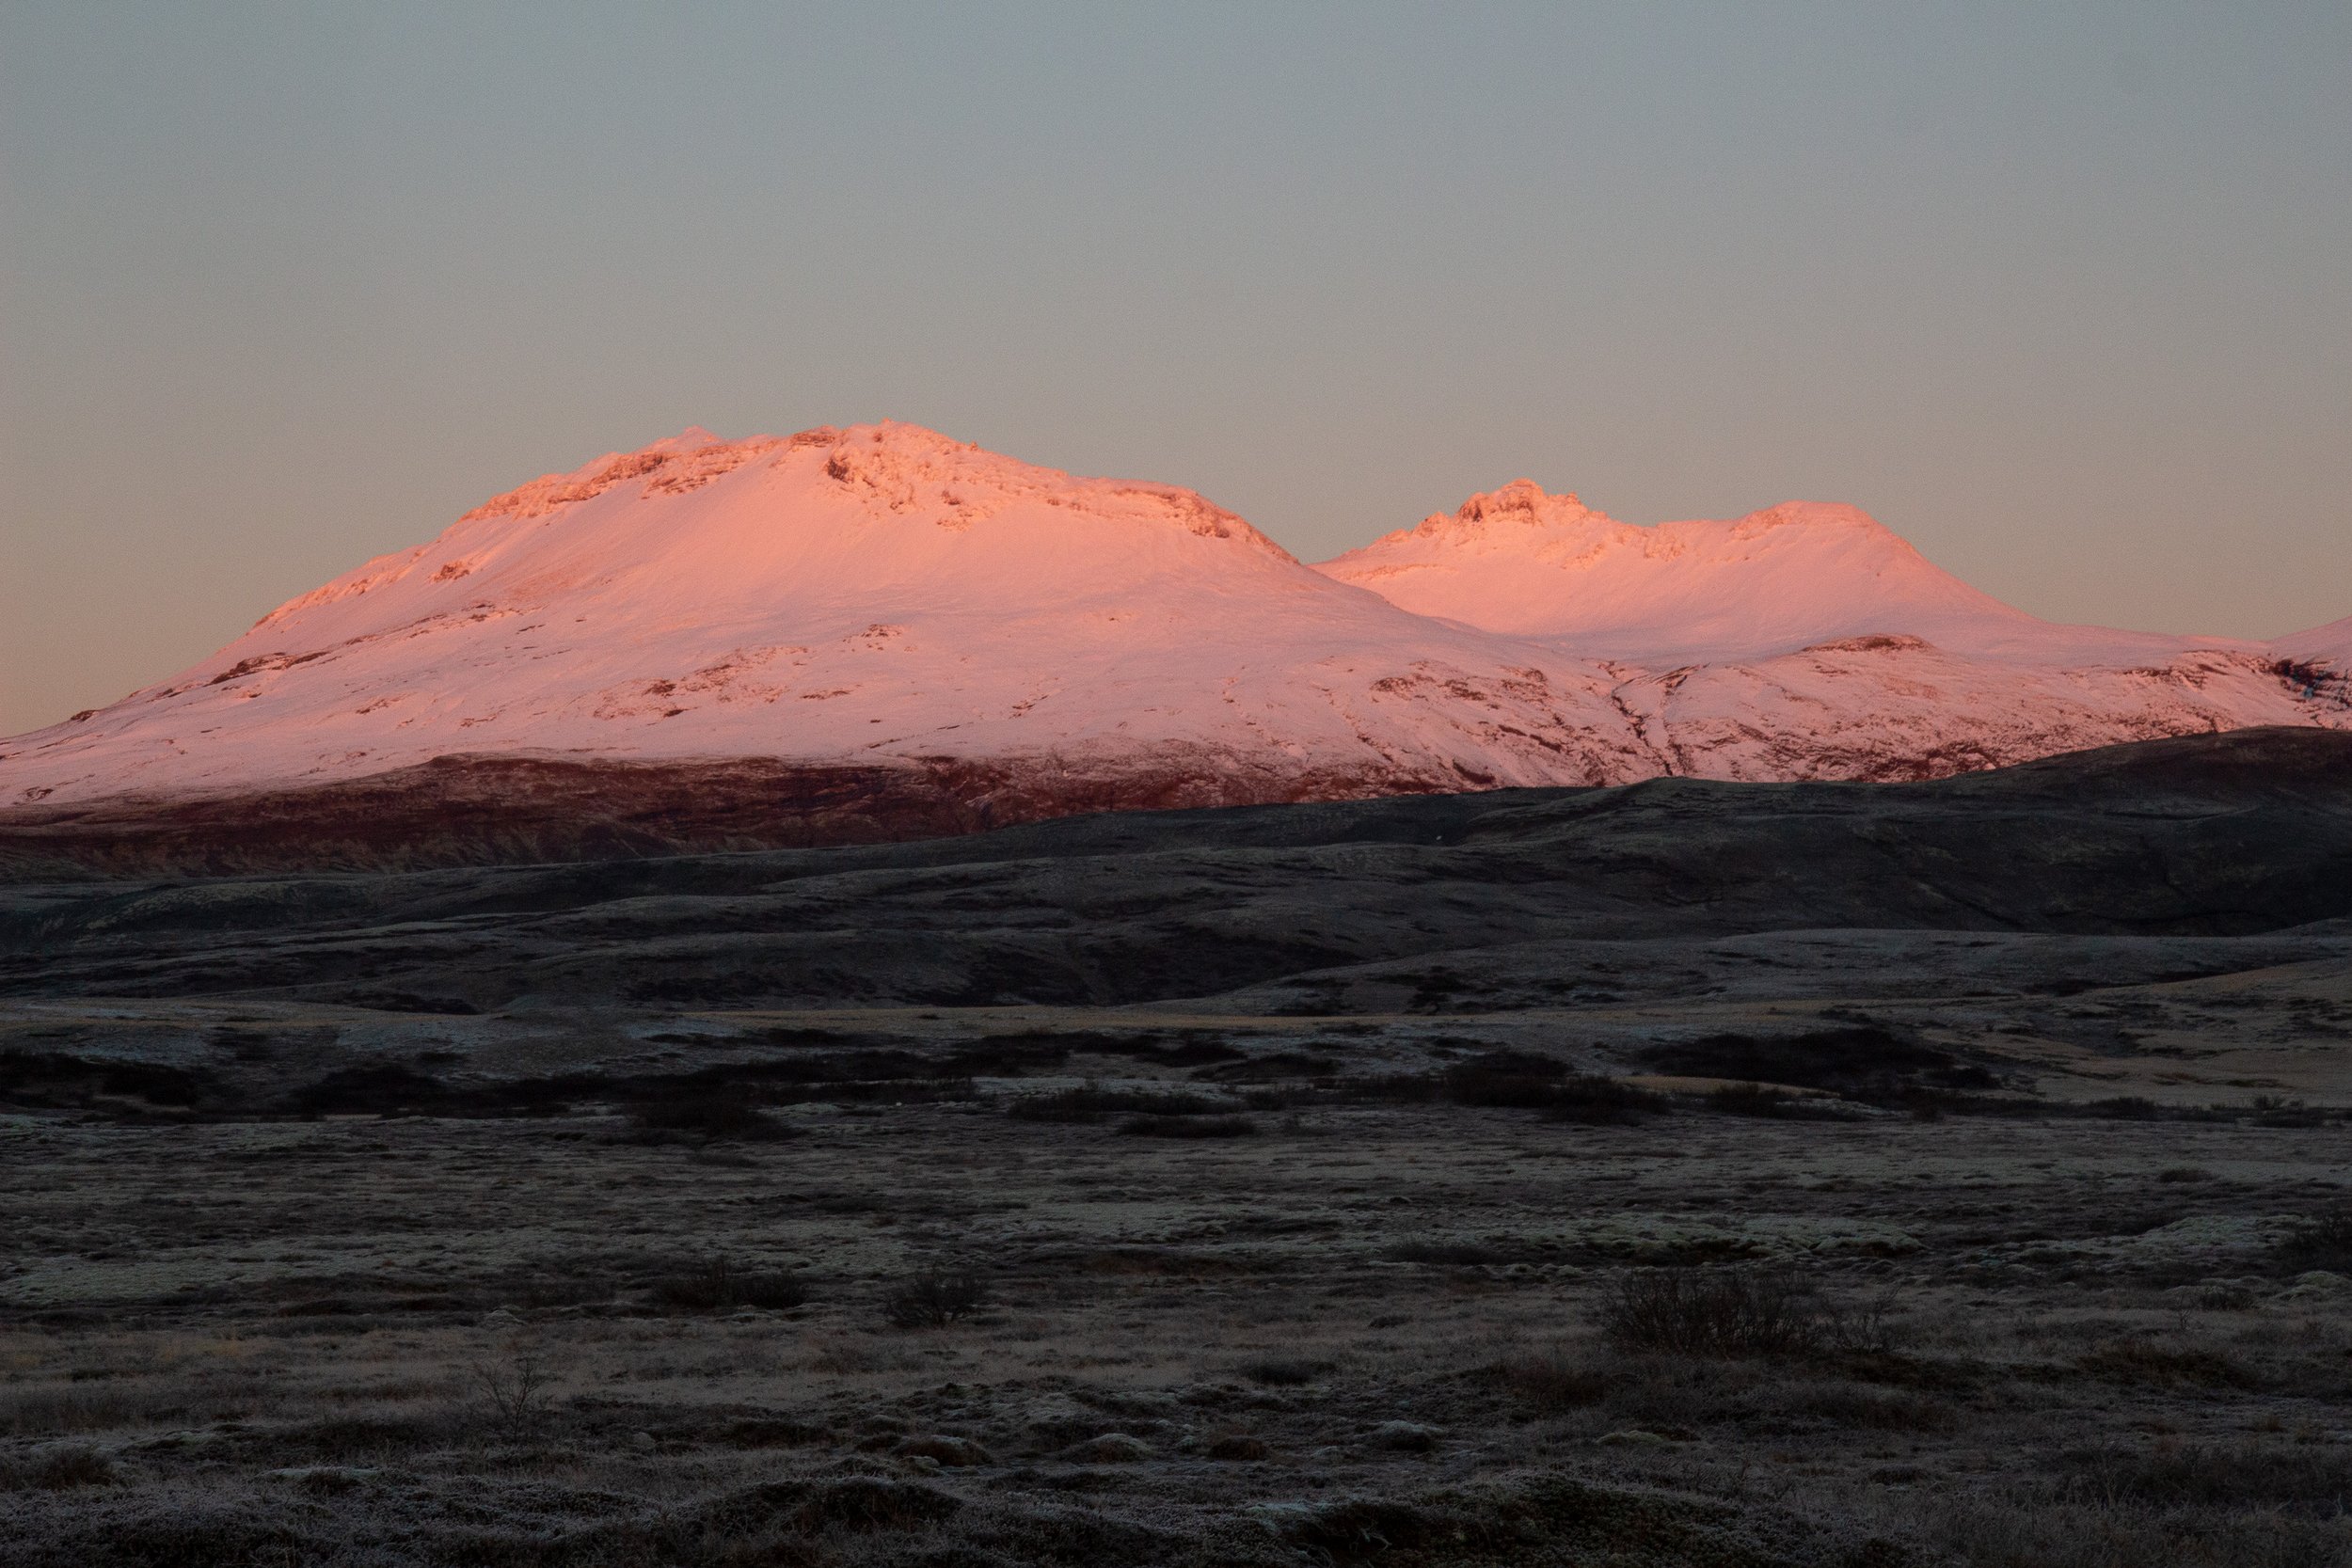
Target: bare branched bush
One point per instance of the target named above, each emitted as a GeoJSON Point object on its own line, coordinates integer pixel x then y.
{"type": "Point", "coordinates": [518, 1386]}
{"type": "Point", "coordinates": [934, 1299]}
{"type": "Point", "coordinates": [1743, 1309]}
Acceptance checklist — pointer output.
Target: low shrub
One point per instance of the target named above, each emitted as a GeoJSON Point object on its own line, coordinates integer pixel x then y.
{"type": "Point", "coordinates": [1090, 1101]}
{"type": "Point", "coordinates": [63, 1470]}
{"type": "Point", "coordinates": [387, 1090]}
{"type": "Point", "coordinates": [1504, 1080]}
{"type": "Point", "coordinates": [518, 1387]}
{"type": "Point", "coordinates": [46, 1079]}
{"type": "Point", "coordinates": [934, 1299]}
{"type": "Point", "coordinates": [1188, 1127]}
{"type": "Point", "coordinates": [1460, 1255]}
{"type": "Point", "coordinates": [1379, 1088]}
{"type": "Point", "coordinates": [2322, 1241]}
{"type": "Point", "coordinates": [1855, 1059]}
{"type": "Point", "coordinates": [1601, 1102]}
{"type": "Point", "coordinates": [717, 1286]}
{"type": "Point", "coordinates": [707, 1117]}
{"type": "Point", "coordinates": [2147, 1364]}
{"type": "Point", "coordinates": [1270, 1066]}
{"type": "Point", "coordinates": [408, 1002]}
{"type": "Point", "coordinates": [1762, 1099]}
{"type": "Point", "coordinates": [1521, 1081]}
{"type": "Point", "coordinates": [1735, 1310]}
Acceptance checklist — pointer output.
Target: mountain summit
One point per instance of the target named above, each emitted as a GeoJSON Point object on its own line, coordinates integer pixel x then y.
{"type": "Point", "coordinates": [878, 631]}
{"type": "Point", "coordinates": [1519, 561]}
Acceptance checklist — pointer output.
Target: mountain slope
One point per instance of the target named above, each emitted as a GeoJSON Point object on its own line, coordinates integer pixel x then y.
{"type": "Point", "coordinates": [2327, 648]}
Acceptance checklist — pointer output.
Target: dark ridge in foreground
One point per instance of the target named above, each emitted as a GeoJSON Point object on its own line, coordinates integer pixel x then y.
{"type": "Point", "coordinates": [2218, 836]}
{"type": "Point", "coordinates": [508, 811]}
{"type": "Point", "coordinates": [459, 811]}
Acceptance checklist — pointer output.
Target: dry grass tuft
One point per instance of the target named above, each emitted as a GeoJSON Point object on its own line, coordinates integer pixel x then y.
{"type": "Point", "coordinates": [1550, 1382]}
{"type": "Point", "coordinates": [59, 1470]}
{"type": "Point", "coordinates": [2147, 1364]}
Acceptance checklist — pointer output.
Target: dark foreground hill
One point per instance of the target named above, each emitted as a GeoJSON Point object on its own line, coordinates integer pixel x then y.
{"type": "Point", "coordinates": [2218, 836]}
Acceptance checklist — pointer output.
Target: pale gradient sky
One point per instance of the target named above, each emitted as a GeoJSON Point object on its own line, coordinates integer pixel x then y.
{"type": "Point", "coordinates": [2061, 294]}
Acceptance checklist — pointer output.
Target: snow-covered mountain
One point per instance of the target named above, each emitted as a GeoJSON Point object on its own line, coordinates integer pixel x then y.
{"type": "Point", "coordinates": [884, 597]}
{"type": "Point", "coordinates": [1809, 640]}
{"type": "Point", "coordinates": [1521, 562]}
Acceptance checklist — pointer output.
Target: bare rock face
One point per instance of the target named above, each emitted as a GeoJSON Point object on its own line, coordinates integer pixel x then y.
{"type": "Point", "coordinates": [878, 633]}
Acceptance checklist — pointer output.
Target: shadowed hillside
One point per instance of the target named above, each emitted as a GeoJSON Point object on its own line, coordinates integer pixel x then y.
{"type": "Point", "coordinates": [2228, 834]}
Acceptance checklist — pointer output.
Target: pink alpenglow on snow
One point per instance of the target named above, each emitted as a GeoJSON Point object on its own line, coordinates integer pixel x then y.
{"type": "Point", "coordinates": [885, 596]}
{"type": "Point", "coordinates": [1521, 562]}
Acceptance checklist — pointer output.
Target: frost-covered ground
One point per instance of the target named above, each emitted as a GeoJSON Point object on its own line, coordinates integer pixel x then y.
{"type": "Point", "coordinates": [1277, 1291]}
{"type": "Point", "coordinates": [1949, 1173]}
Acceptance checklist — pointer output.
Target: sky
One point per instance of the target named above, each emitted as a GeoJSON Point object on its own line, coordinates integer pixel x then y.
{"type": "Point", "coordinates": [2059, 293]}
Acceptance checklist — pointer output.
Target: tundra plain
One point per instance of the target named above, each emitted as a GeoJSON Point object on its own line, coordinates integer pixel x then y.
{"type": "Point", "coordinates": [1942, 1174]}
